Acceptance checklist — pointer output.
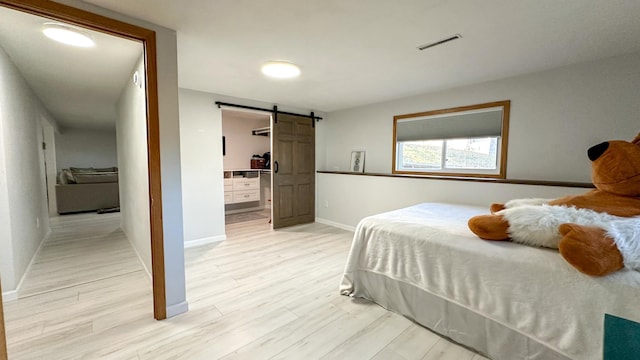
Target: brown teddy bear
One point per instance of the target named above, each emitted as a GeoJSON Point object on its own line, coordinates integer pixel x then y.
{"type": "Point", "coordinates": [597, 232]}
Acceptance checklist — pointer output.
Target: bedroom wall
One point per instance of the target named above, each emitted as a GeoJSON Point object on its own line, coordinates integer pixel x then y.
{"type": "Point", "coordinates": [85, 148]}
{"type": "Point", "coordinates": [555, 116]}
{"type": "Point", "coordinates": [131, 129]}
{"type": "Point", "coordinates": [167, 61]}
{"type": "Point", "coordinates": [24, 219]}
{"type": "Point", "coordinates": [201, 157]}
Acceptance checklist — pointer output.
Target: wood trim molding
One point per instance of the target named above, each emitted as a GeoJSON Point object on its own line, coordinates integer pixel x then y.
{"type": "Point", "coordinates": [155, 183]}
{"type": "Point", "coordinates": [3, 336]}
{"type": "Point", "coordinates": [485, 180]}
{"type": "Point", "coordinates": [504, 139]}
{"type": "Point", "coordinates": [454, 110]}
{"type": "Point", "coordinates": [82, 18]}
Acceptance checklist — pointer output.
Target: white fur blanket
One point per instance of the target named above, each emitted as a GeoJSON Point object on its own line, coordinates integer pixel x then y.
{"type": "Point", "coordinates": [533, 222]}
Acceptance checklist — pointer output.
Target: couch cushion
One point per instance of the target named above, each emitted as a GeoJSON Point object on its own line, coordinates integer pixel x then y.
{"type": "Point", "coordinates": [107, 169]}
{"type": "Point", "coordinates": [66, 177]}
{"type": "Point", "coordinates": [95, 177]}
{"type": "Point", "coordinates": [80, 169]}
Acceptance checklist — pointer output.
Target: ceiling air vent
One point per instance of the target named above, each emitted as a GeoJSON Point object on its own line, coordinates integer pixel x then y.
{"type": "Point", "coordinates": [439, 42]}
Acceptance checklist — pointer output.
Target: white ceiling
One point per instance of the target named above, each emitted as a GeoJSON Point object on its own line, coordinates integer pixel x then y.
{"type": "Point", "coordinates": [351, 52]}
{"type": "Point", "coordinates": [363, 51]}
{"type": "Point", "coordinates": [79, 86]}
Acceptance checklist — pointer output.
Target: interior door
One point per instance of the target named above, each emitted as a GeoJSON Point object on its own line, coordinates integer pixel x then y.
{"type": "Point", "coordinates": [3, 336]}
{"type": "Point", "coordinates": [293, 165]}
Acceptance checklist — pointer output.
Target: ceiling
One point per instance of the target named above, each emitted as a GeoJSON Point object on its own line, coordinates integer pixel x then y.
{"type": "Point", "coordinates": [364, 51]}
{"type": "Point", "coordinates": [351, 52]}
{"type": "Point", "coordinates": [79, 86]}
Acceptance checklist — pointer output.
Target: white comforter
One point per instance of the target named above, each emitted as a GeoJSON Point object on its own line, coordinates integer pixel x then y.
{"type": "Point", "coordinates": [530, 290]}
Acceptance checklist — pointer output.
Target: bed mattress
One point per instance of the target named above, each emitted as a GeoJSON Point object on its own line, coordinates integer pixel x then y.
{"type": "Point", "coordinates": [505, 300]}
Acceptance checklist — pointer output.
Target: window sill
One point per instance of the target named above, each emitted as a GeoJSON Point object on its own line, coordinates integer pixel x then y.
{"type": "Point", "coordinates": [487, 180]}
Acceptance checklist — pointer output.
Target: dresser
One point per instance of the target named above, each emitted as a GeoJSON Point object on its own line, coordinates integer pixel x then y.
{"type": "Point", "coordinates": [241, 186]}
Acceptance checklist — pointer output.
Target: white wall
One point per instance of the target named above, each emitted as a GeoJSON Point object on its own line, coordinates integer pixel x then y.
{"type": "Point", "coordinates": [131, 128]}
{"type": "Point", "coordinates": [240, 143]}
{"type": "Point", "coordinates": [85, 148]}
{"type": "Point", "coordinates": [556, 116]}
{"type": "Point", "coordinates": [167, 61]}
{"type": "Point", "coordinates": [343, 199]}
{"type": "Point", "coordinates": [201, 157]}
{"type": "Point", "coordinates": [24, 219]}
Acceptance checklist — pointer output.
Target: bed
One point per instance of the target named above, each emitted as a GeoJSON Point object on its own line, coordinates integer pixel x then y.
{"type": "Point", "coordinates": [504, 300]}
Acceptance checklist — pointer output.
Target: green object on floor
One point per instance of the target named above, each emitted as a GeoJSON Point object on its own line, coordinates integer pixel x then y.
{"type": "Point", "coordinates": [621, 338]}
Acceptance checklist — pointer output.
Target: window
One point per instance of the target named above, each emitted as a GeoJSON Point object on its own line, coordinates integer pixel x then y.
{"type": "Point", "coordinates": [466, 141]}
{"type": "Point", "coordinates": [450, 154]}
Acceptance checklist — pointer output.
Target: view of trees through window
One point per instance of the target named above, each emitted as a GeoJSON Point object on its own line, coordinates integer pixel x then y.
{"type": "Point", "coordinates": [476, 153]}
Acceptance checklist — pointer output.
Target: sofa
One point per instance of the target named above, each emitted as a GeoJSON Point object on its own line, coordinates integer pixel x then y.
{"type": "Point", "coordinates": [87, 189]}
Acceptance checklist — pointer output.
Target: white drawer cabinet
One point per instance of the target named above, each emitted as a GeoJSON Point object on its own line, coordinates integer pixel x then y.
{"type": "Point", "coordinates": [246, 195]}
{"type": "Point", "coordinates": [246, 184]}
{"type": "Point", "coordinates": [241, 186]}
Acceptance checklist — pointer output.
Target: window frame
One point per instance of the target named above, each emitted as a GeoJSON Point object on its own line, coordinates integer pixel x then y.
{"type": "Point", "coordinates": [501, 152]}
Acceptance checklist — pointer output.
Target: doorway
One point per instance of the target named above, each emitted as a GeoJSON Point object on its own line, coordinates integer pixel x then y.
{"type": "Point", "coordinates": [291, 165]}
{"type": "Point", "coordinates": [247, 171]}
{"type": "Point", "coordinates": [146, 37]}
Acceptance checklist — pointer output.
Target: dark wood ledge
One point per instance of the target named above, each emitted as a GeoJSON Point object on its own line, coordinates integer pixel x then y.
{"type": "Point", "coordinates": [485, 180]}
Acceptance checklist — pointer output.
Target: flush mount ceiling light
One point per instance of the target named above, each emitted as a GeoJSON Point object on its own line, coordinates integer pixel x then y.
{"type": "Point", "coordinates": [67, 35]}
{"type": "Point", "coordinates": [280, 69]}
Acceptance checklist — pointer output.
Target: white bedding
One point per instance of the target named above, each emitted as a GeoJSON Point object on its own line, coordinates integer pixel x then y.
{"type": "Point", "coordinates": [529, 291]}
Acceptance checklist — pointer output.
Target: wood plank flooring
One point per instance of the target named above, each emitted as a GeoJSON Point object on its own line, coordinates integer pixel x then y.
{"type": "Point", "coordinates": [261, 294]}
{"type": "Point", "coordinates": [81, 249]}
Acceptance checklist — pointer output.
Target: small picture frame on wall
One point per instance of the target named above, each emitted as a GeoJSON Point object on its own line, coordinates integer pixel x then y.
{"type": "Point", "coordinates": [357, 161]}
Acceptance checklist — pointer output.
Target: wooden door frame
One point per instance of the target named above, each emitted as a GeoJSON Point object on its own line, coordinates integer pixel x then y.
{"type": "Point", "coordinates": [3, 337]}
{"type": "Point", "coordinates": [85, 19]}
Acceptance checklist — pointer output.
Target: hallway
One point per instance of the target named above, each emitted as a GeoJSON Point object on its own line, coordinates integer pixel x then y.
{"type": "Point", "coordinates": [82, 248]}
{"type": "Point", "coordinates": [85, 279]}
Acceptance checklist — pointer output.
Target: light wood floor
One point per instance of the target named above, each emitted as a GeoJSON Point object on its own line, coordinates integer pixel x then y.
{"type": "Point", "coordinates": [261, 294]}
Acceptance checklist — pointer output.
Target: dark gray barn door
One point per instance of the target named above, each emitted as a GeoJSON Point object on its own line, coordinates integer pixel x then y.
{"type": "Point", "coordinates": [294, 170]}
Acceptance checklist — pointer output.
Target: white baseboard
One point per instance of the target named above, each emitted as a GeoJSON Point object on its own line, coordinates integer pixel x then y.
{"type": "Point", "coordinates": [9, 295]}
{"type": "Point", "coordinates": [177, 309]}
{"type": "Point", "coordinates": [204, 241]}
{"type": "Point", "coordinates": [12, 295]}
{"type": "Point", "coordinates": [335, 224]}
{"type": "Point", "coordinates": [144, 266]}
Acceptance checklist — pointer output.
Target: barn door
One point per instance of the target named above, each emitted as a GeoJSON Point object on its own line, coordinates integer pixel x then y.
{"type": "Point", "coordinates": [3, 336]}
{"type": "Point", "coordinates": [294, 170]}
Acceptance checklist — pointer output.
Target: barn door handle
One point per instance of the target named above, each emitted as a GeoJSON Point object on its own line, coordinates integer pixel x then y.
{"type": "Point", "coordinates": [275, 167]}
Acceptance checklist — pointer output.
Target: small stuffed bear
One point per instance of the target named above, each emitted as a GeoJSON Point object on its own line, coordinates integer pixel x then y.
{"type": "Point", "coordinates": [597, 232]}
